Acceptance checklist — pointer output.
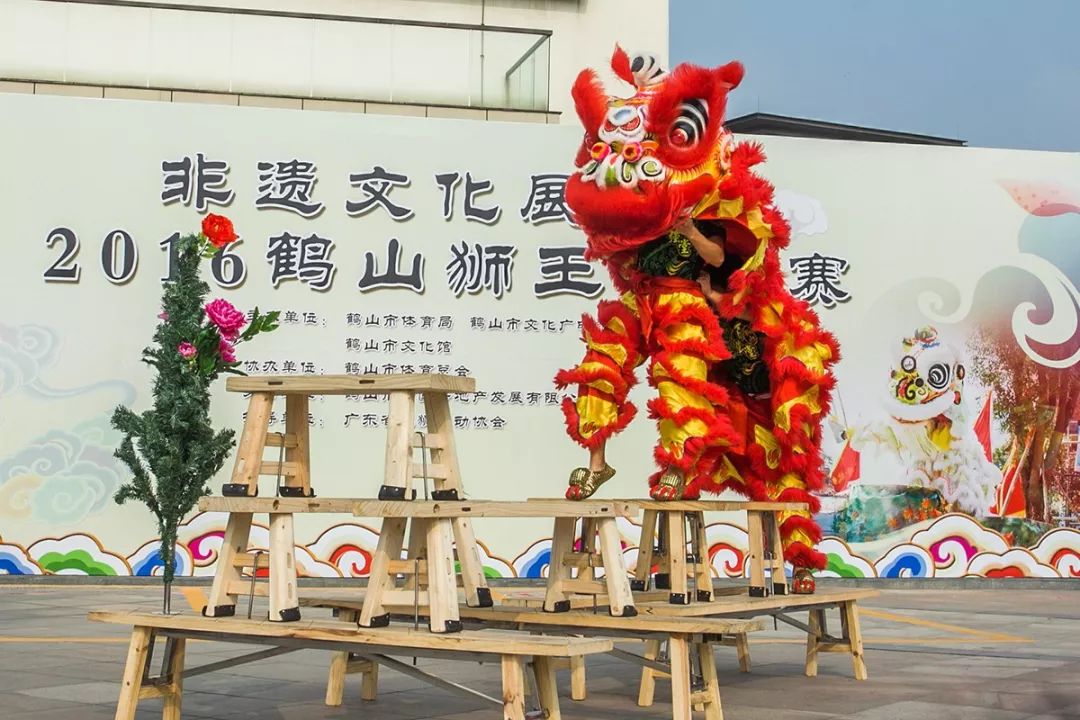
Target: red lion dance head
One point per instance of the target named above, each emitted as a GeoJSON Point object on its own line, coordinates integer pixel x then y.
{"type": "Point", "coordinates": [662, 154]}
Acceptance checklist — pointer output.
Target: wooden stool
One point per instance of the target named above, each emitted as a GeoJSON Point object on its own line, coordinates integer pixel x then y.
{"type": "Point", "coordinates": [429, 568]}
{"type": "Point", "coordinates": [566, 562]}
{"type": "Point", "coordinates": [666, 527]}
{"type": "Point", "coordinates": [292, 467]}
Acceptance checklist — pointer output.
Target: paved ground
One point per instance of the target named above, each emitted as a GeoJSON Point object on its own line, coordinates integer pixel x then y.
{"type": "Point", "coordinates": [955, 655]}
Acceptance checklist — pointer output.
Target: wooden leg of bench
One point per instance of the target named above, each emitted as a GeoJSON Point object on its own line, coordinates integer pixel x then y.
{"type": "Point", "coordinates": [284, 604]}
{"type": "Point", "coordinates": [513, 687]}
{"type": "Point", "coordinates": [643, 566]}
{"type": "Point", "coordinates": [742, 647]}
{"type": "Point", "coordinates": [442, 589]}
{"type": "Point", "coordinates": [620, 599]}
{"type": "Point", "coordinates": [676, 537]}
{"type": "Point", "coordinates": [237, 535]}
{"type": "Point", "coordinates": [335, 684]}
{"type": "Point", "coordinates": [369, 683]}
{"type": "Point", "coordinates": [849, 615]}
{"type": "Point", "coordinates": [578, 689]}
{"type": "Point", "coordinates": [544, 670]}
{"type": "Point", "coordinates": [173, 694]}
{"type": "Point", "coordinates": [818, 627]}
{"type": "Point", "coordinates": [562, 542]}
{"type": "Point", "coordinates": [339, 667]}
{"type": "Point", "coordinates": [131, 685]}
{"type": "Point", "coordinates": [391, 539]}
{"type": "Point", "coordinates": [648, 675]}
{"type": "Point", "coordinates": [711, 693]}
{"type": "Point", "coordinates": [679, 650]}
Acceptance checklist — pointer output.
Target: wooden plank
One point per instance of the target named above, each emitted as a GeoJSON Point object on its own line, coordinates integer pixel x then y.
{"type": "Point", "coordinates": [513, 688]}
{"type": "Point", "coordinates": [275, 468]}
{"type": "Point", "coordinates": [138, 648]}
{"type": "Point", "coordinates": [406, 567]}
{"type": "Point", "coordinates": [734, 605]}
{"type": "Point", "coordinates": [491, 508]}
{"type": "Point", "coordinates": [813, 641]}
{"type": "Point", "coordinates": [242, 588]}
{"type": "Point", "coordinates": [479, 641]}
{"type": "Point", "coordinates": [433, 471]}
{"type": "Point", "coordinates": [577, 619]}
{"type": "Point", "coordinates": [369, 683]}
{"type": "Point", "coordinates": [349, 384]}
{"type": "Point", "coordinates": [717, 506]}
{"type": "Point", "coordinates": [277, 504]}
{"type": "Point", "coordinates": [278, 439]}
{"type": "Point", "coordinates": [742, 648]}
{"type": "Point", "coordinates": [430, 441]}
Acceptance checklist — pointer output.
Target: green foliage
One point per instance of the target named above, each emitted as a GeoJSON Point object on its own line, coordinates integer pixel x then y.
{"type": "Point", "coordinates": [171, 449]}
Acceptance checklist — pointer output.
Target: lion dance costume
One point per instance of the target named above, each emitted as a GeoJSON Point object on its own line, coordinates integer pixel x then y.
{"type": "Point", "coordinates": [742, 382]}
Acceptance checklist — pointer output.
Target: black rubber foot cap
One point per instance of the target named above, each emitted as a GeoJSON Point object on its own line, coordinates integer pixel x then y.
{"type": "Point", "coordinates": [757, 591]}
{"type": "Point", "coordinates": [220, 611]}
{"type": "Point", "coordinates": [560, 607]}
{"type": "Point", "coordinates": [704, 596]}
{"type": "Point", "coordinates": [450, 626]}
{"type": "Point", "coordinates": [450, 494]}
{"type": "Point", "coordinates": [677, 599]}
{"type": "Point", "coordinates": [779, 589]}
{"type": "Point", "coordinates": [483, 598]}
{"type": "Point", "coordinates": [236, 490]}
{"type": "Point", "coordinates": [662, 581]}
{"type": "Point", "coordinates": [287, 491]}
{"type": "Point", "coordinates": [637, 585]}
{"type": "Point", "coordinates": [627, 611]}
{"type": "Point", "coordinates": [290, 614]}
{"type": "Point", "coordinates": [378, 621]}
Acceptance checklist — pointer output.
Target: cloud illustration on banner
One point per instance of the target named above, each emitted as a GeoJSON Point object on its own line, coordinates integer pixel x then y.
{"type": "Point", "coordinates": [26, 350]}
{"type": "Point", "coordinates": [63, 476]}
{"type": "Point", "coordinates": [806, 215]}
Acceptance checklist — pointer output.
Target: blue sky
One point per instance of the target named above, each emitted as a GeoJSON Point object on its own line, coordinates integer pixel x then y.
{"type": "Point", "coordinates": [997, 73]}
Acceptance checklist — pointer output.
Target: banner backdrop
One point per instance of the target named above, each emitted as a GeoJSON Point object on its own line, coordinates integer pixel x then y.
{"type": "Point", "coordinates": [419, 245]}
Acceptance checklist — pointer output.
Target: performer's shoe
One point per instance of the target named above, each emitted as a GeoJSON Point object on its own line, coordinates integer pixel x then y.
{"type": "Point", "coordinates": [669, 487]}
{"type": "Point", "coordinates": [584, 482]}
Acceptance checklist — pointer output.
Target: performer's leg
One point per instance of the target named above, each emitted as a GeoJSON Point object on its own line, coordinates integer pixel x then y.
{"type": "Point", "coordinates": [604, 378]}
{"type": "Point", "coordinates": [690, 342]}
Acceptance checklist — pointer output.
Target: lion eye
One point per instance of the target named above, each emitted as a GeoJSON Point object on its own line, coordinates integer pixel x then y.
{"type": "Point", "coordinates": [689, 127]}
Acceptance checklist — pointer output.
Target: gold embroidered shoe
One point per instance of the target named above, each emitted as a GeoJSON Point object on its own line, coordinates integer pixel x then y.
{"type": "Point", "coordinates": [584, 482]}
{"type": "Point", "coordinates": [669, 487]}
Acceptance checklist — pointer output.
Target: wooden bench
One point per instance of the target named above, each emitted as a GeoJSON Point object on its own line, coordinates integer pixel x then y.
{"type": "Point", "coordinates": [690, 641]}
{"type": "Point", "coordinates": [375, 645]}
{"type": "Point", "coordinates": [733, 603]}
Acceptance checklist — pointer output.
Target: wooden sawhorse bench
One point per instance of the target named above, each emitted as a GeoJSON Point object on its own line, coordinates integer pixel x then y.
{"type": "Point", "coordinates": [430, 566]}
{"type": "Point", "coordinates": [691, 641]}
{"type": "Point", "coordinates": [292, 468]}
{"type": "Point", "coordinates": [378, 645]}
{"type": "Point", "coordinates": [735, 604]}
{"type": "Point", "coordinates": [664, 538]}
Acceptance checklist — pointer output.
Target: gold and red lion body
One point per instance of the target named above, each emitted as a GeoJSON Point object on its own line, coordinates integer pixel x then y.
{"type": "Point", "coordinates": [646, 163]}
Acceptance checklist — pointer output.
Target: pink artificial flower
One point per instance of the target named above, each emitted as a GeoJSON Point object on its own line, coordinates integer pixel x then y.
{"type": "Point", "coordinates": [163, 316]}
{"type": "Point", "coordinates": [227, 318]}
{"type": "Point", "coordinates": [187, 350]}
{"type": "Point", "coordinates": [227, 351]}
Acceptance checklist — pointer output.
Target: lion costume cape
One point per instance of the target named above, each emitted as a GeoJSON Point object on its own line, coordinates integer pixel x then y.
{"type": "Point", "coordinates": [742, 384]}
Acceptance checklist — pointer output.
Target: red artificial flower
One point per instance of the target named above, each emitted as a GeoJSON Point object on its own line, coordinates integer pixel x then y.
{"type": "Point", "coordinates": [219, 230]}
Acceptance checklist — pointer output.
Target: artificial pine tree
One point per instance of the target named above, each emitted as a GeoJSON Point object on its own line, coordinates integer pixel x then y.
{"type": "Point", "coordinates": [172, 449]}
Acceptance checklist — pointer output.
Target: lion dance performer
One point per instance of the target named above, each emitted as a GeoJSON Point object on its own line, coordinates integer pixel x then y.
{"type": "Point", "coordinates": [741, 369]}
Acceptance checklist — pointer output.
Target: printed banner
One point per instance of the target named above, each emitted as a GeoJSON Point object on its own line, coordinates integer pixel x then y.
{"type": "Point", "coordinates": [406, 245]}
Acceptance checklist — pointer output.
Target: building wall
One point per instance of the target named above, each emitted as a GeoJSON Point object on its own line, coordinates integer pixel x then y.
{"type": "Point", "coordinates": [92, 48]}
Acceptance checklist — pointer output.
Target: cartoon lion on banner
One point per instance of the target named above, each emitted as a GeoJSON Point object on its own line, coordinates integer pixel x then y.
{"type": "Point", "coordinates": [930, 429]}
{"type": "Point", "coordinates": [668, 201]}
